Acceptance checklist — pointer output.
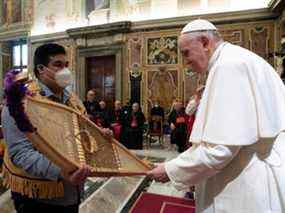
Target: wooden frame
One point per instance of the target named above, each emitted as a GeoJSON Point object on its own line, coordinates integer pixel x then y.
{"type": "Point", "coordinates": [130, 164]}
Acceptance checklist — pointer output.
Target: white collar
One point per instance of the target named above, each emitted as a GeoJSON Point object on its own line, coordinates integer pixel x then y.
{"type": "Point", "coordinates": [216, 54]}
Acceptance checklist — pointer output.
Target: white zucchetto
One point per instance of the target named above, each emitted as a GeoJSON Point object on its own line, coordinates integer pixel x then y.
{"type": "Point", "coordinates": [198, 25]}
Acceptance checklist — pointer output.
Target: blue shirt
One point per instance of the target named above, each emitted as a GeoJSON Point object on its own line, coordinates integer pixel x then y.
{"type": "Point", "coordinates": [25, 156]}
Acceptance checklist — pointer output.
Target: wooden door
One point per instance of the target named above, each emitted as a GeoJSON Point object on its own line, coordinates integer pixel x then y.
{"type": "Point", "coordinates": [101, 72]}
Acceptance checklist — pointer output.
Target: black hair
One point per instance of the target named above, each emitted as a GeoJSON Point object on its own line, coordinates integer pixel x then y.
{"type": "Point", "coordinates": [43, 54]}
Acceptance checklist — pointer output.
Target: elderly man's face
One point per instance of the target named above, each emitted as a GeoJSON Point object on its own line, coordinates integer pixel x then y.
{"type": "Point", "coordinates": [102, 104]}
{"type": "Point", "coordinates": [118, 105]}
{"type": "Point", "coordinates": [194, 53]}
{"type": "Point", "coordinates": [135, 107]}
{"type": "Point", "coordinates": [91, 96]}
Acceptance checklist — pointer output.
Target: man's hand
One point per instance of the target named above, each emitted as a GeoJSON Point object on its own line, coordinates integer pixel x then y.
{"type": "Point", "coordinates": [79, 176]}
{"type": "Point", "coordinates": [159, 173]}
{"type": "Point", "coordinates": [172, 126]}
{"type": "Point", "coordinates": [107, 132]}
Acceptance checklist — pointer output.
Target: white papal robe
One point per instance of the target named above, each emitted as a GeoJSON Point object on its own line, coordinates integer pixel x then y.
{"type": "Point", "coordinates": [237, 162]}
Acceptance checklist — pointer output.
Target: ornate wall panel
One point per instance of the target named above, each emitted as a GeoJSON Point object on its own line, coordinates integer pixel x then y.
{"type": "Point", "coordinates": [16, 12]}
{"type": "Point", "coordinates": [6, 56]}
{"type": "Point", "coordinates": [162, 50]}
{"type": "Point", "coordinates": [28, 11]}
{"type": "Point", "coordinates": [233, 36]}
{"type": "Point", "coordinates": [255, 36]}
{"type": "Point", "coordinates": [160, 68]}
{"type": "Point", "coordinates": [11, 11]}
{"type": "Point", "coordinates": [162, 86]}
{"type": "Point", "coordinates": [259, 41]}
{"type": "Point", "coordinates": [135, 51]}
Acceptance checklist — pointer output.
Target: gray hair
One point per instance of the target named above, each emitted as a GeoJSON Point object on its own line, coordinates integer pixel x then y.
{"type": "Point", "coordinates": [211, 34]}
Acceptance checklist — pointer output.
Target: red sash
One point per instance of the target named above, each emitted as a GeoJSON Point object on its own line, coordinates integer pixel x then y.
{"type": "Point", "coordinates": [190, 123]}
{"type": "Point", "coordinates": [180, 120]}
{"type": "Point", "coordinates": [117, 130]}
{"type": "Point", "coordinates": [134, 122]}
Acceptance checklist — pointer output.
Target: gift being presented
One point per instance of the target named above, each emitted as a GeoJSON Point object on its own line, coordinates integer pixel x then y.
{"type": "Point", "coordinates": [66, 136]}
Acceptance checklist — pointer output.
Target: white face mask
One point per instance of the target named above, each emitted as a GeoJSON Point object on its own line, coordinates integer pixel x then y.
{"type": "Point", "coordinates": [63, 77]}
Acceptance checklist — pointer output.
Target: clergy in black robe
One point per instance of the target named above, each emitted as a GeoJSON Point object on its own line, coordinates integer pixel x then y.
{"type": "Point", "coordinates": [91, 105]}
{"type": "Point", "coordinates": [157, 110]}
{"type": "Point", "coordinates": [133, 128]}
{"type": "Point", "coordinates": [127, 108]}
{"type": "Point", "coordinates": [103, 116]}
{"type": "Point", "coordinates": [117, 120]}
{"type": "Point", "coordinates": [156, 120]}
{"type": "Point", "coordinates": [178, 124]}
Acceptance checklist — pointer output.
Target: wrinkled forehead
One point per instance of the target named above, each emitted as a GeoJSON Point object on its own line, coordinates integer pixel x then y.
{"type": "Point", "coordinates": [91, 93]}
{"type": "Point", "coordinates": [186, 40]}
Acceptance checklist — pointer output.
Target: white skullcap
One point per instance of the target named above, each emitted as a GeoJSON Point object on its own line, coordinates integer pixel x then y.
{"type": "Point", "coordinates": [198, 25]}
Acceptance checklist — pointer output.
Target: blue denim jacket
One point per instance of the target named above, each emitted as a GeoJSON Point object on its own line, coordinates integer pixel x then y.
{"type": "Point", "coordinates": [25, 156]}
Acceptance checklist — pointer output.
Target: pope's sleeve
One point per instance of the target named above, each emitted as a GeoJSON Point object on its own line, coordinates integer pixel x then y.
{"type": "Point", "coordinates": [199, 163]}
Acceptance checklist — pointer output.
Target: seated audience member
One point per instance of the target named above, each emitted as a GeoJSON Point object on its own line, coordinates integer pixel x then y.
{"type": "Point", "coordinates": [91, 105]}
{"type": "Point", "coordinates": [117, 120]}
{"type": "Point", "coordinates": [103, 115]}
{"type": "Point", "coordinates": [133, 131]}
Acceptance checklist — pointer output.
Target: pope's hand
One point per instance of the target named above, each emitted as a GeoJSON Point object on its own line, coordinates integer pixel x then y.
{"type": "Point", "coordinates": [79, 176]}
{"type": "Point", "coordinates": [172, 126]}
{"type": "Point", "coordinates": [159, 173]}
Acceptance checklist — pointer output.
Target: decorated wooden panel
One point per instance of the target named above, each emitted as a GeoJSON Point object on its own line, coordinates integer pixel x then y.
{"type": "Point", "coordinates": [11, 11]}
{"type": "Point", "coordinates": [162, 50]}
{"type": "Point", "coordinates": [162, 86]}
{"type": "Point", "coordinates": [233, 36]}
{"type": "Point", "coordinates": [135, 51]}
{"type": "Point", "coordinates": [259, 38]}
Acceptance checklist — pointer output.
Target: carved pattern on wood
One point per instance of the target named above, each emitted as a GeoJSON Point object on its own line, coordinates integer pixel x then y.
{"type": "Point", "coordinates": [11, 12]}
{"type": "Point", "coordinates": [135, 51]}
{"type": "Point", "coordinates": [259, 41]}
{"type": "Point", "coordinates": [162, 50]}
{"type": "Point", "coordinates": [162, 86]}
{"type": "Point", "coordinates": [233, 36]}
{"type": "Point", "coordinates": [28, 11]}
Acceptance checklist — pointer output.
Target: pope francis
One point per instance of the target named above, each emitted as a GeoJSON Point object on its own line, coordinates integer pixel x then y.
{"type": "Point", "coordinates": [237, 162]}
